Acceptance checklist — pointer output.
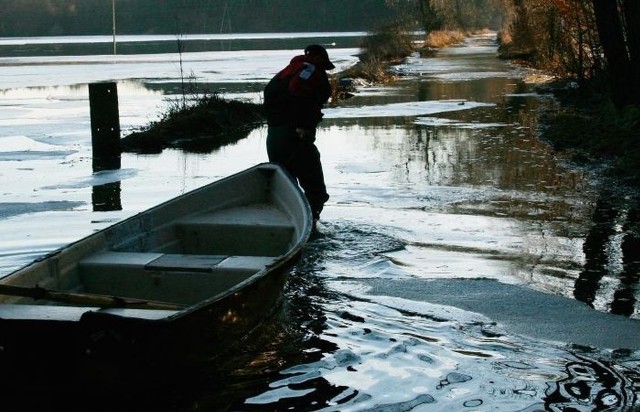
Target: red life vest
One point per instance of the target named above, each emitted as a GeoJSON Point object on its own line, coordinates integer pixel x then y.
{"type": "Point", "coordinates": [306, 75]}
{"type": "Point", "coordinates": [296, 94]}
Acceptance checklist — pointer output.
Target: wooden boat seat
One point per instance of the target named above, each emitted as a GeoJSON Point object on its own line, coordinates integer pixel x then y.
{"type": "Point", "coordinates": [175, 262]}
{"type": "Point", "coordinates": [178, 278]}
{"type": "Point", "coordinates": [253, 229]}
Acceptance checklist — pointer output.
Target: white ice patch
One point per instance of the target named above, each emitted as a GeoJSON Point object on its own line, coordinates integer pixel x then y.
{"type": "Point", "coordinates": [403, 109]}
{"type": "Point", "coordinates": [10, 144]}
{"type": "Point", "coordinates": [240, 66]}
{"type": "Point", "coordinates": [97, 179]}
{"type": "Point", "coordinates": [22, 148]}
{"type": "Point", "coordinates": [437, 121]}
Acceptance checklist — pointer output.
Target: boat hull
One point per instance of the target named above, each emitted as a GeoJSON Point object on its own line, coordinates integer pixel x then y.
{"type": "Point", "coordinates": [99, 348]}
{"type": "Point", "coordinates": [105, 352]}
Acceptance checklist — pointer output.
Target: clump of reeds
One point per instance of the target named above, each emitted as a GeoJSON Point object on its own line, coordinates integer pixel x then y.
{"type": "Point", "coordinates": [443, 38]}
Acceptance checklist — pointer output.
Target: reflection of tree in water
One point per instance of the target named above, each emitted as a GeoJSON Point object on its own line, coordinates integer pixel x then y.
{"type": "Point", "coordinates": [106, 198]}
{"type": "Point", "coordinates": [604, 252]}
{"type": "Point", "coordinates": [304, 321]}
{"type": "Point", "coordinates": [594, 386]}
{"type": "Point", "coordinates": [624, 298]}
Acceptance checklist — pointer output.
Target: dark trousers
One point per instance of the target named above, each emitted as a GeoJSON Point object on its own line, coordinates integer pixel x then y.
{"type": "Point", "coordinates": [301, 158]}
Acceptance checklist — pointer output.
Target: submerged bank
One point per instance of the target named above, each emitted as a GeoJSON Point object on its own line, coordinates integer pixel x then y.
{"type": "Point", "coordinates": [586, 124]}
{"type": "Point", "coordinates": [593, 132]}
{"type": "Point", "coordinates": [201, 126]}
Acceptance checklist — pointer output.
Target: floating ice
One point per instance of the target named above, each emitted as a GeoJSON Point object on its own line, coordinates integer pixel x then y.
{"type": "Point", "coordinates": [437, 121]}
{"type": "Point", "coordinates": [97, 179]}
{"type": "Point", "coordinates": [403, 109]}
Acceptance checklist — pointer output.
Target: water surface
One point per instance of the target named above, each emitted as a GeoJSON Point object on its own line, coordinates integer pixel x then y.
{"type": "Point", "coordinates": [452, 269]}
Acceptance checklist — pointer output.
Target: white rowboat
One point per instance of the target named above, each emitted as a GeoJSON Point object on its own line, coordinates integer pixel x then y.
{"type": "Point", "coordinates": [191, 276]}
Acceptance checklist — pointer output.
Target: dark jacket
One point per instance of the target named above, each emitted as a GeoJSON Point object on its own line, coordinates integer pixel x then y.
{"type": "Point", "coordinates": [295, 96]}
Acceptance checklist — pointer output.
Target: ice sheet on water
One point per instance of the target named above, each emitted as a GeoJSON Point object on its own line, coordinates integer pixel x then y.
{"type": "Point", "coordinates": [478, 63]}
{"type": "Point", "coordinates": [449, 70]}
{"type": "Point", "coordinates": [442, 313]}
{"type": "Point", "coordinates": [403, 109]}
{"type": "Point", "coordinates": [9, 144]}
{"type": "Point", "coordinates": [19, 208]}
{"type": "Point", "coordinates": [22, 148]}
{"type": "Point", "coordinates": [417, 228]}
{"type": "Point", "coordinates": [34, 155]}
{"type": "Point", "coordinates": [383, 268]}
{"type": "Point", "coordinates": [438, 121]}
{"type": "Point", "coordinates": [466, 76]}
{"type": "Point", "coordinates": [97, 179]}
{"type": "Point", "coordinates": [208, 67]}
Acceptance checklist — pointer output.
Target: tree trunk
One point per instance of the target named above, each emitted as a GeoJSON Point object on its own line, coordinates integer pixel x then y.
{"type": "Point", "coordinates": [430, 20]}
{"type": "Point", "coordinates": [610, 30]}
{"type": "Point", "coordinates": [631, 9]}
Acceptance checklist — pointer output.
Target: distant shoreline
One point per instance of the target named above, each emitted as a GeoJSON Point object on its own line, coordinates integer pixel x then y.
{"type": "Point", "coordinates": [132, 38]}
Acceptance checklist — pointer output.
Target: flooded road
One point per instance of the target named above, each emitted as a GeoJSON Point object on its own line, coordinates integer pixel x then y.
{"type": "Point", "coordinates": [459, 265]}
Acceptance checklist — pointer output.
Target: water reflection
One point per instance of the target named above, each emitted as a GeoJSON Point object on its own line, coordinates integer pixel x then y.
{"type": "Point", "coordinates": [418, 194]}
{"type": "Point", "coordinates": [624, 299]}
{"type": "Point", "coordinates": [106, 198]}
{"type": "Point", "coordinates": [597, 385]}
{"type": "Point", "coordinates": [359, 354]}
{"type": "Point", "coordinates": [611, 273]}
{"type": "Point", "coordinates": [291, 337]}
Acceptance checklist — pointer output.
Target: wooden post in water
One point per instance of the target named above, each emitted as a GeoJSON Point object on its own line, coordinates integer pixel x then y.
{"type": "Point", "coordinates": [105, 126]}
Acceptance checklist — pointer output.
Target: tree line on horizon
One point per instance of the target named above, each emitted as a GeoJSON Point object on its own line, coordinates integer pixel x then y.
{"type": "Point", "coordinates": [94, 17]}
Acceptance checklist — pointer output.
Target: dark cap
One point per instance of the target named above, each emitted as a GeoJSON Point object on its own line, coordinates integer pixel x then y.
{"type": "Point", "coordinates": [317, 50]}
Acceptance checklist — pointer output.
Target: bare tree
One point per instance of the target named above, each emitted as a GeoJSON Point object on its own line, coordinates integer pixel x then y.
{"type": "Point", "coordinates": [430, 18]}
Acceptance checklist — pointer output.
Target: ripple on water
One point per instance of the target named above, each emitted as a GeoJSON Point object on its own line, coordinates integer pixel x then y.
{"type": "Point", "coordinates": [385, 353]}
{"type": "Point", "coordinates": [390, 360]}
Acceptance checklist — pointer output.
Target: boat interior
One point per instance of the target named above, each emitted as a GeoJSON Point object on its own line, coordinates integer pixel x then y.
{"type": "Point", "coordinates": [183, 251]}
{"type": "Point", "coordinates": [193, 258]}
